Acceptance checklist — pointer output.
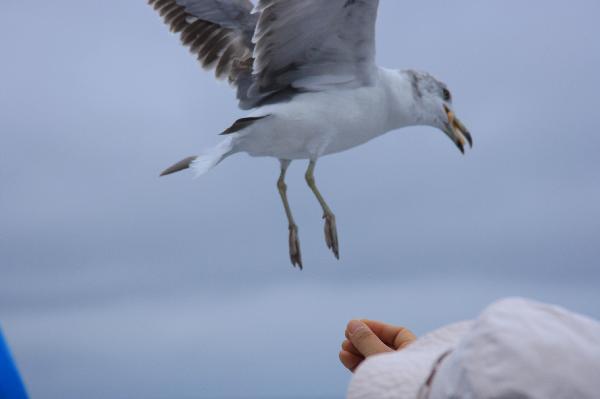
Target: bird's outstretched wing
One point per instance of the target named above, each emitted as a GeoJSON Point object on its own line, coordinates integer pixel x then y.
{"type": "Point", "coordinates": [281, 46]}
{"type": "Point", "coordinates": [308, 44]}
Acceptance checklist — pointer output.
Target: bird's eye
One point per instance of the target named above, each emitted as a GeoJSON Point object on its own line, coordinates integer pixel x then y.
{"type": "Point", "coordinates": [446, 94]}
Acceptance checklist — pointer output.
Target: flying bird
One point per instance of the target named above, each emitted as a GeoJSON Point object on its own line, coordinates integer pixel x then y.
{"type": "Point", "coordinates": [305, 70]}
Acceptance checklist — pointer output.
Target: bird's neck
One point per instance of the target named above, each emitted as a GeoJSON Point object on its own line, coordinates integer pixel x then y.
{"type": "Point", "coordinates": [403, 107]}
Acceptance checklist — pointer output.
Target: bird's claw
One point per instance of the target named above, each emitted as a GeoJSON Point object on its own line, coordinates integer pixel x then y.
{"type": "Point", "coordinates": [295, 255]}
{"type": "Point", "coordinates": [331, 237]}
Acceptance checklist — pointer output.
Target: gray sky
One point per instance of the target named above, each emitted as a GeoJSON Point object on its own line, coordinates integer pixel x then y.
{"type": "Point", "coordinates": [114, 283]}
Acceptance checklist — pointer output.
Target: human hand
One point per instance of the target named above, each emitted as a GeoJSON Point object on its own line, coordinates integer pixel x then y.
{"type": "Point", "coordinates": [366, 338]}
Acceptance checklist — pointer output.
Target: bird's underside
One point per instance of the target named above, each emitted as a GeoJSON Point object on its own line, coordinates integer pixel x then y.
{"type": "Point", "coordinates": [274, 52]}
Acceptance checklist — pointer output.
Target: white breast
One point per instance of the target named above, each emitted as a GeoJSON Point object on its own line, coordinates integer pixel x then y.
{"type": "Point", "coordinates": [318, 123]}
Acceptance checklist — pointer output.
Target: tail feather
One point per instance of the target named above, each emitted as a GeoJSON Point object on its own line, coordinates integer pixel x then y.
{"type": "Point", "coordinates": [179, 166]}
{"type": "Point", "coordinates": [204, 162]}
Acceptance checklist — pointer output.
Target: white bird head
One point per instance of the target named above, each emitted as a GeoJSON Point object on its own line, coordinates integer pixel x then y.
{"type": "Point", "coordinates": [434, 101]}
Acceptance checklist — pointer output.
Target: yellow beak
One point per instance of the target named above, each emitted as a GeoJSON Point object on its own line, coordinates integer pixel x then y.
{"type": "Point", "coordinates": [457, 131]}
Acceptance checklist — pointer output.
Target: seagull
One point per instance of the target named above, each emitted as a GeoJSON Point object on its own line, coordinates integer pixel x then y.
{"type": "Point", "coordinates": [305, 71]}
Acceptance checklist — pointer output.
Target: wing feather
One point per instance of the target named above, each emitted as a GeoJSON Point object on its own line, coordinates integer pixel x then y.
{"type": "Point", "coordinates": [299, 40]}
{"type": "Point", "coordinates": [218, 32]}
{"type": "Point", "coordinates": [280, 46]}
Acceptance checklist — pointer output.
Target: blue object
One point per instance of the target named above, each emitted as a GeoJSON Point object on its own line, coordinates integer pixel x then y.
{"type": "Point", "coordinates": [11, 385]}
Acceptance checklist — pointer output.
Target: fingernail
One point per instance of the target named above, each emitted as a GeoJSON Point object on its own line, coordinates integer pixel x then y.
{"type": "Point", "coordinates": [355, 326]}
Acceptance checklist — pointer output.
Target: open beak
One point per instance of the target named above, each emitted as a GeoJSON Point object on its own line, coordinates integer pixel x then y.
{"type": "Point", "coordinates": [457, 131]}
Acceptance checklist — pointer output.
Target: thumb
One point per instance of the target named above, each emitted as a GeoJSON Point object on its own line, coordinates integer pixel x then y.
{"type": "Point", "coordinates": [365, 340]}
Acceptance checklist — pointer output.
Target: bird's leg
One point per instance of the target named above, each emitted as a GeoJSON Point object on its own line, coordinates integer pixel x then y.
{"type": "Point", "coordinates": [331, 237]}
{"type": "Point", "coordinates": [295, 255]}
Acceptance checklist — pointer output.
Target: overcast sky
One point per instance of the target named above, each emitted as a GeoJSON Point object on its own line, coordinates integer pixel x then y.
{"type": "Point", "coordinates": [115, 283]}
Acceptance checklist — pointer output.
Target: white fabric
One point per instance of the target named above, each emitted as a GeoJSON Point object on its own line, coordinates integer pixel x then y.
{"type": "Point", "coordinates": [516, 349]}
{"type": "Point", "coordinates": [520, 349]}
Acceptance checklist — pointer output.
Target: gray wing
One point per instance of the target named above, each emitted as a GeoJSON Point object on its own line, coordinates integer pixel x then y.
{"type": "Point", "coordinates": [218, 32]}
{"type": "Point", "coordinates": [280, 47]}
{"type": "Point", "coordinates": [310, 44]}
